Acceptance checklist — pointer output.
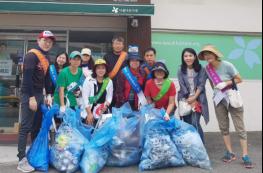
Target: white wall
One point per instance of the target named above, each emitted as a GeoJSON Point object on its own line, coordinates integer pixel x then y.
{"type": "Point", "coordinates": [208, 15]}
{"type": "Point", "coordinates": [251, 92]}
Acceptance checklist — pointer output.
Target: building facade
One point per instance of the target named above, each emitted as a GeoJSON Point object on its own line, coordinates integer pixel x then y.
{"type": "Point", "coordinates": [76, 24]}
{"type": "Point", "coordinates": [235, 27]}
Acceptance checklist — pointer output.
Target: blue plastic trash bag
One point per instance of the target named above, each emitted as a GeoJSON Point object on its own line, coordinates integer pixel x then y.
{"type": "Point", "coordinates": [69, 143]}
{"type": "Point", "coordinates": [38, 154]}
{"type": "Point", "coordinates": [189, 143]}
{"type": "Point", "coordinates": [85, 130]}
{"type": "Point", "coordinates": [159, 150]}
{"type": "Point", "coordinates": [97, 151]}
{"type": "Point", "coordinates": [94, 159]}
{"type": "Point", "coordinates": [125, 148]}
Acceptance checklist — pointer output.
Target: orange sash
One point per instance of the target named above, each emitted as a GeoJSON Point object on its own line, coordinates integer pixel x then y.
{"type": "Point", "coordinates": [42, 59]}
{"type": "Point", "coordinates": [147, 71]}
{"type": "Point", "coordinates": [118, 65]}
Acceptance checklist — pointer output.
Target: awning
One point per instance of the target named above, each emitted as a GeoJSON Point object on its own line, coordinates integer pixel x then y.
{"type": "Point", "coordinates": [73, 8]}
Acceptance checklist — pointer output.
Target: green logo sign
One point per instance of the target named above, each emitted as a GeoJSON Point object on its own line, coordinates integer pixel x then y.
{"type": "Point", "coordinates": [245, 52]}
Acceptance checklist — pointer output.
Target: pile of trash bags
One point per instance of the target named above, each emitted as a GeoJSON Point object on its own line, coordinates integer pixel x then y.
{"type": "Point", "coordinates": [128, 138]}
{"type": "Point", "coordinates": [170, 144]}
{"type": "Point", "coordinates": [159, 150]}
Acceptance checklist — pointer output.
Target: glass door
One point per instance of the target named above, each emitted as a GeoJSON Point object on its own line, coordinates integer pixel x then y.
{"type": "Point", "coordinates": [11, 54]}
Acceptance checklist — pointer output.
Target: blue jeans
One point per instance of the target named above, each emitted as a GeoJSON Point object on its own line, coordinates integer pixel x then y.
{"type": "Point", "coordinates": [194, 120]}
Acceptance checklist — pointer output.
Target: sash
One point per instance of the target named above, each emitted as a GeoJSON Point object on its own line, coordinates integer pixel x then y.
{"type": "Point", "coordinates": [42, 59]}
{"type": "Point", "coordinates": [147, 71]}
{"type": "Point", "coordinates": [214, 77]}
{"type": "Point", "coordinates": [75, 85]}
{"type": "Point", "coordinates": [94, 99]}
{"type": "Point", "coordinates": [118, 65]}
{"type": "Point", "coordinates": [132, 80]}
{"type": "Point", "coordinates": [165, 88]}
{"type": "Point", "coordinates": [81, 80]}
{"type": "Point", "coordinates": [135, 85]}
{"type": "Point", "coordinates": [53, 74]}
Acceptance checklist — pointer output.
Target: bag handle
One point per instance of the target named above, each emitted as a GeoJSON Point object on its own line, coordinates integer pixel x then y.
{"type": "Point", "coordinates": [234, 84]}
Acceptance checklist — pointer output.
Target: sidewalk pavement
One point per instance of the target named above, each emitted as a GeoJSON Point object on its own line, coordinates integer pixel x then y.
{"type": "Point", "coordinates": [215, 148]}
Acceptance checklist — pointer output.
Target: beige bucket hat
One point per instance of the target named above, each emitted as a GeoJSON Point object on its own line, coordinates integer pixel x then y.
{"type": "Point", "coordinates": [212, 49]}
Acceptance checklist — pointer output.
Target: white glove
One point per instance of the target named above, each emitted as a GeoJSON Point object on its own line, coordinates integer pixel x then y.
{"type": "Point", "coordinates": [142, 99]}
{"type": "Point", "coordinates": [167, 117]}
{"type": "Point", "coordinates": [62, 109]}
{"type": "Point", "coordinates": [49, 100]}
{"type": "Point", "coordinates": [221, 85]}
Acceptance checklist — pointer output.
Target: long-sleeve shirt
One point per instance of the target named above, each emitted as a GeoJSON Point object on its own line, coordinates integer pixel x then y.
{"type": "Point", "coordinates": [118, 81]}
{"type": "Point", "coordinates": [90, 89]}
{"type": "Point", "coordinates": [34, 78]}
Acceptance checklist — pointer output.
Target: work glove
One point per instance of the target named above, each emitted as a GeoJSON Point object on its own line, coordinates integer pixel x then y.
{"type": "Point", "coordinates": [62, 109]}
{"type": "Point", "coordinates": [221, 85]}
{"type": "Point", "coordinates": [49, 100]}
{"type": "Point", "coordinates": [167, 117]}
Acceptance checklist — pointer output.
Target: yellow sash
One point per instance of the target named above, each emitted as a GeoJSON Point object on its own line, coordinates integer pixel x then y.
{"type": "Point", "coordinates": [42, 59]}
{"type": "Point", "coordinates": [118, 65]}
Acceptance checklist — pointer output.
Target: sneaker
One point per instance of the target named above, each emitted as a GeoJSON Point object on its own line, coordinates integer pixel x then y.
{"type": "Point", "coordinates": [247, 162]}
{"type": "Point", "coordinates": [229, 157]}
{"type": "Point", "coordinates": [24, 166]}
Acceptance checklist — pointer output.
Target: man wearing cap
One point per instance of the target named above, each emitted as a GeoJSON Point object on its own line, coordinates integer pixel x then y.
{"type": "Point", "coordinates": [224, 78]}
{"type": "Point", "coordinates": [68, 83]}
{"type": "Point", "coordinates": [87, 63]}
{"type": "Point", "coordinates": [35, 79]}
{"type": "Point", "coordinates": [116, 60]}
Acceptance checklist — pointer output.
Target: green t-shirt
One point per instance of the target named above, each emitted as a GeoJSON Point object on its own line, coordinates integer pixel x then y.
{"type": "Point", "coordinates": [67, 80]}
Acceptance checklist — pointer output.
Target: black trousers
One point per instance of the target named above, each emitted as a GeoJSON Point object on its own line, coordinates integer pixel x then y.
{"type": "Point", "coordinates": [30, 122]}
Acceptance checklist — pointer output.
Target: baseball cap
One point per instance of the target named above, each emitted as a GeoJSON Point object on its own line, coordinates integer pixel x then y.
{"type": "Point", "coordinates": [47, 34]}
{"type": "Point", "coordinates": [86, 51]}
{"type": "Point", "coordinates": [74, 54]}
{"type": "Point", "coordinates": [100, 62]}
{"type": "Point", "coordinates": [133, 53]}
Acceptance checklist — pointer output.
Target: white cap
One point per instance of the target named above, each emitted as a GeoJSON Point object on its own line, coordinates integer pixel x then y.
{"type": "Point", "coordinates": [86, 51]}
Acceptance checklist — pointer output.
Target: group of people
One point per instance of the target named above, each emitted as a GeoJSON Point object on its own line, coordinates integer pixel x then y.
{"type": "Point", "coordinates": [96, 86]}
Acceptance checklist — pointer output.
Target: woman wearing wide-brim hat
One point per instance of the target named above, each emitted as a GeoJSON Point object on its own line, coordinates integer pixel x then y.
{"type": "Point", "coordinates": [161, 90]}
{"type": "Point", "coordinates": [97, 93]}
{"type": "Point", "coordinates": [223, 77]}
